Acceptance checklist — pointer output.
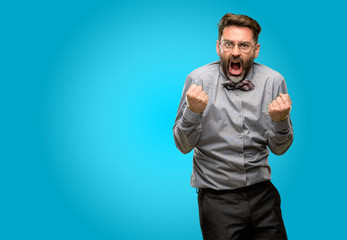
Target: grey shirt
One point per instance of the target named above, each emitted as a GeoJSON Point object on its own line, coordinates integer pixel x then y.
{"type": "Point", "coordinates": [232, 137]}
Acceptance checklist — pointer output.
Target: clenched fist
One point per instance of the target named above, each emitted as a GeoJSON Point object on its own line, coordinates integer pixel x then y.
{"type": "Point", "coordinates": [280, 107]}
{"type": "Point", "coordinates": [197, 99]}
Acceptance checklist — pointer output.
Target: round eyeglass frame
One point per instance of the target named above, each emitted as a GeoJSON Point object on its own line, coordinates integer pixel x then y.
{"type": "Point", "coordinates": [238, 46]}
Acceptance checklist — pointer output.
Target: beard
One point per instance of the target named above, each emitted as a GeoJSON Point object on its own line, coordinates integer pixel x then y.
{"type": "Point", "coordinates": [245, 64]}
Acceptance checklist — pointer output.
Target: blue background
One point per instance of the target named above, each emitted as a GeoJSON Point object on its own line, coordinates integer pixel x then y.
{"type": "Point", "coordinates": [89, 94]}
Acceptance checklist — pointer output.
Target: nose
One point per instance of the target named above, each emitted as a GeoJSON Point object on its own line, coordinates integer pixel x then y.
{"type": "Point", "coordinates": [235, 51]}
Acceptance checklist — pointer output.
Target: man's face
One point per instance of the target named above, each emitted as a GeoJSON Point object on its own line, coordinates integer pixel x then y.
{"type": "Point", "coordinates": [236, 64]}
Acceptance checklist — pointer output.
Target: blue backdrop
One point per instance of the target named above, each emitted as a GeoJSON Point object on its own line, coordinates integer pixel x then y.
{"type": "Point", "coordinates": [89, 94]}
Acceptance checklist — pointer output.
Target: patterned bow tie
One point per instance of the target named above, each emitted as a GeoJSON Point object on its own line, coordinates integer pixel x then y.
{"type": "Point", "coordinates": [244, 85]}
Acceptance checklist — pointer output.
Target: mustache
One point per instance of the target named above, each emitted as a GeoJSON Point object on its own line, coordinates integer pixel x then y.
{"type": "Point", "coordinates": [235, 59]}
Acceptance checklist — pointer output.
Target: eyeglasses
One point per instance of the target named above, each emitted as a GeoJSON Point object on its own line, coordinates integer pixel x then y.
{"type": "Point", "coordinates": [244, 47]}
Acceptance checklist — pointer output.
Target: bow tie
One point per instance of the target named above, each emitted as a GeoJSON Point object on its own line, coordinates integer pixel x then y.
{"type": "Point", "coordinates": [244, 85]}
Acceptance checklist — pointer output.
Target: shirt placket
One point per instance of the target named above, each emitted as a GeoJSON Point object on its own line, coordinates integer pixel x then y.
{"type": "Point", "coordinates": [238, 144]}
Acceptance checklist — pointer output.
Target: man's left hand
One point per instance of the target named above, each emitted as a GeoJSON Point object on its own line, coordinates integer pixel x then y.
{"type": "Point", "coordinates": [279, 108]}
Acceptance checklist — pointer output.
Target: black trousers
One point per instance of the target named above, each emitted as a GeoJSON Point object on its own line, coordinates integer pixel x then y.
{"type": "Point", "coordinates": [252, 212]}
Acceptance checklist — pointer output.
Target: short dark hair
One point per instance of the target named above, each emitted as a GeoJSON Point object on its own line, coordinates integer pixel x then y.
{"type": "Point", "coordinates": [230, 19]}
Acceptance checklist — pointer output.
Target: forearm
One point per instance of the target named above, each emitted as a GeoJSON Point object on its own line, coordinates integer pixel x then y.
{"type": "Point", "coordinates": [187, 130]}
{"type": "Point", "coordinates": [280, 136]}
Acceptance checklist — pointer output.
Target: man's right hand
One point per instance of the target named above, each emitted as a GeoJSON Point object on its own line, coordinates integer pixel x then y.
{"type": "Point", "coordinates": [197, 99]}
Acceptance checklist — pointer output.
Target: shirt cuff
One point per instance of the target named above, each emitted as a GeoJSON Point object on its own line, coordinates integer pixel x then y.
{"type": "Point", "coordinates": [190, 116]}
{"type": "Point", "coordinates": [281, 126]}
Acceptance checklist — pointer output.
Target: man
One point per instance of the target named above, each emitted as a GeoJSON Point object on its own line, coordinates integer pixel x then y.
{"type": "Point", "coordinates": [231, 113]}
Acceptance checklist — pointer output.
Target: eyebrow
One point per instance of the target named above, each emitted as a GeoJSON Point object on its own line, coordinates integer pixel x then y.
{"type": "Point", "coordinates": [235, 41]}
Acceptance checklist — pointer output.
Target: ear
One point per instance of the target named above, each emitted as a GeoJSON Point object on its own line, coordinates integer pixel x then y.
{"type": "Point", "coordinates": [257, 48]}
{"type": "Point", "coordinates": [217, 48]}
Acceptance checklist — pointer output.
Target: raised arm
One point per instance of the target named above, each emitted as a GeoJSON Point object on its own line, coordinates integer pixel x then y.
{"type": "Point", "coordinates": [281, 132]}
{"type": "Point", "coordinates": [187, 126]}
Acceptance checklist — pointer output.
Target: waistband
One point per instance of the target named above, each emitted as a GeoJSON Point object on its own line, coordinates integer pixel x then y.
{"type": "Point", "coordinates": [237, 190]}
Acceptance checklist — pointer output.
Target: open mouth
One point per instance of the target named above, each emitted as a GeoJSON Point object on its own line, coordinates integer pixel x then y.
{"type": "Point", "coordinates": [235, 68]}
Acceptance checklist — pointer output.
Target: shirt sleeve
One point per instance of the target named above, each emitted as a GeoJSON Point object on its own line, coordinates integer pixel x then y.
{"type": "Point", "coordinates": [281, 134]}
{"type": "Point", "coordinates": [187, 126]}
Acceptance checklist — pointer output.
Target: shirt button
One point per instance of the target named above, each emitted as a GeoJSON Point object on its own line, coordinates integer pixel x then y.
{"type": "Point", "coordinates": [240, 155]}
{"type": "Point", "coordinates": [240, 136]}
{"type": "Point", "coordinates": [242, 171]}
